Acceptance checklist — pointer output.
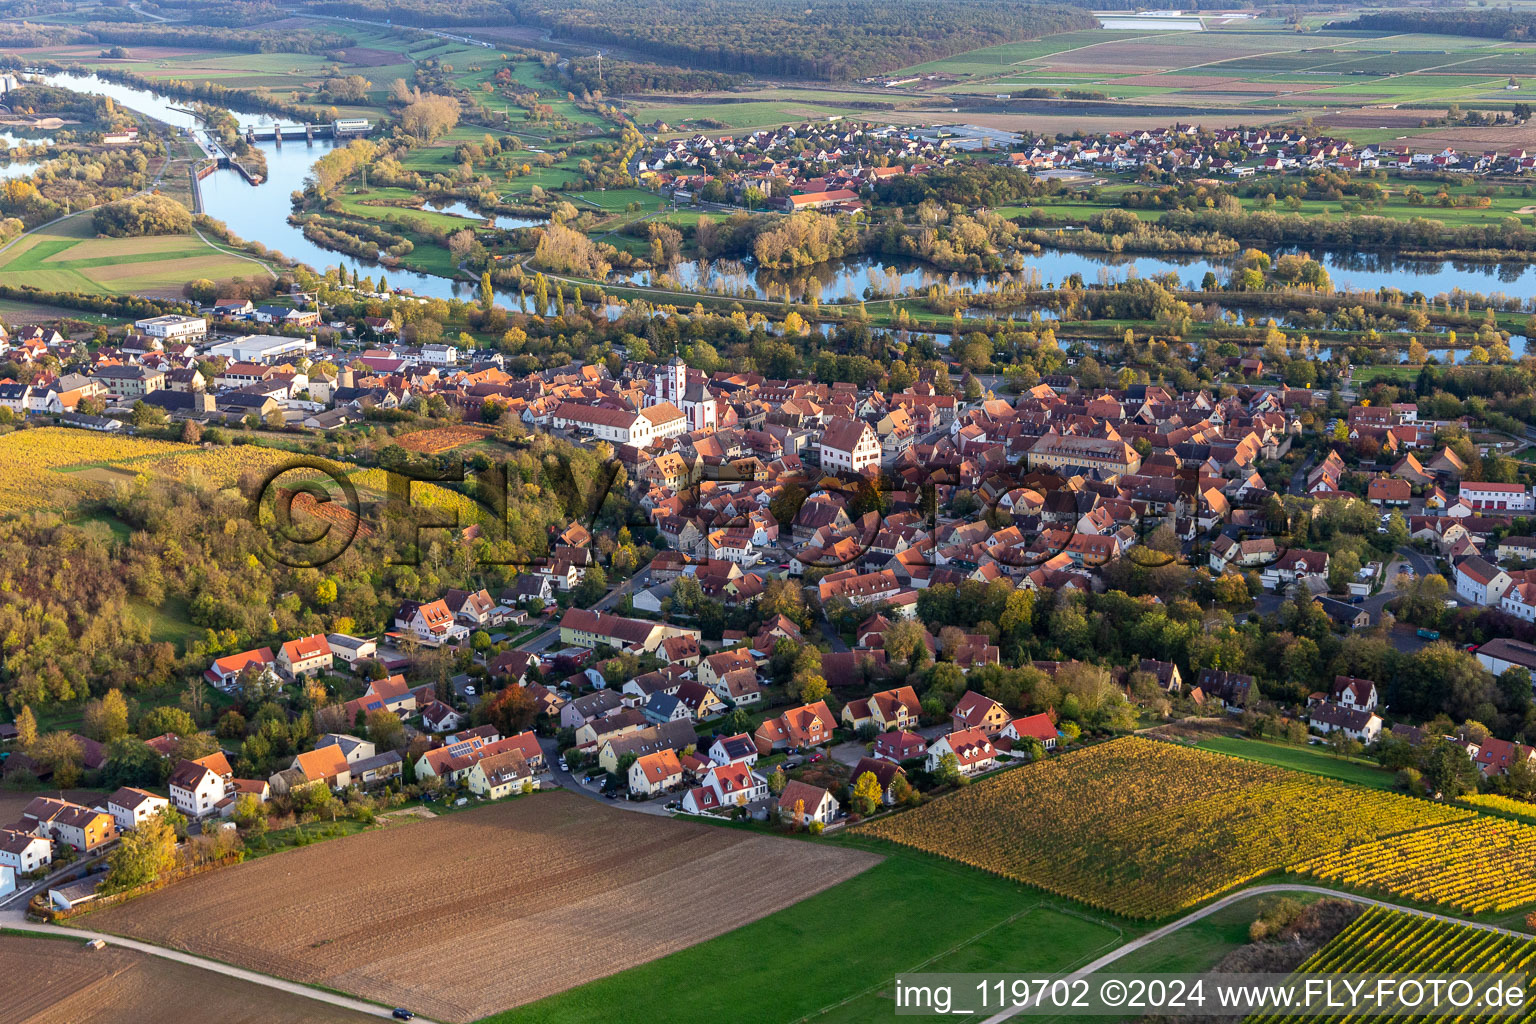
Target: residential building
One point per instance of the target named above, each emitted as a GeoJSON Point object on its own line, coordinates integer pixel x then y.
{"type": "Point", "coordinates": [972, 748]}
{"type": "Point", "coordinates": [802, 803]}
{"type": "Point", "coordinates": [130, 807]}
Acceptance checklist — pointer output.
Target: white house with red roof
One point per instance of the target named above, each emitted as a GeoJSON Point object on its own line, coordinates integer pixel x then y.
{"type": "Point", "coordinates": [1041, 728]}
{"type": "Point", "coordinates": [305, 656]}
{"type": "Point", "coordinates": [1497, 497]}
{"type": "Point", "coordinates": [1479, 582]}
{"type": "Point", "coordinates": [225, 672]}
{"type": "Point", "coordinates": [430, 622]}
{"type": "Point", "coordinates": [972, 749]}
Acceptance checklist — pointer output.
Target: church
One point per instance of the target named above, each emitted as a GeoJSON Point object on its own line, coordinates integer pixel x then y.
{"type": "Point", "coordinates": [695, 400]}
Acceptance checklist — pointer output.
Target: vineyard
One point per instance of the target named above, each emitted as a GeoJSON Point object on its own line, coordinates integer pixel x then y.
{"type": "Point", "coordinates": [1384, 941]}
{"type": "Point", "coordinates": [1521, 809]}
{"type": "Point", "coordinates": [221, 467]}
{"type": "Point", "coordinates": [1146, 829]}
{"type": "Point", "coordinates": [24, 454]}
{"type": "Point", "coordinates": [436, 440]}
{"type": "Point", "coordinates": [1486, 864]}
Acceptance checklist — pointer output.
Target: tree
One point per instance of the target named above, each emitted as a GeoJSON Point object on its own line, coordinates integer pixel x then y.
{"type": "Point", "coordinates": [511, 711]}
{"type": "Point", "coordinates": [865, 794]}
{"type": "Point", "coordinates": [142, 856]}
{"type": "Point", "coordinates": [430, 117]}
{"type": "Point", "coordinates": [1448, 769]}
{"type": "Point", "coordinates": [132, 762]}
{"type": "Point", "coordinates": [26, 728]}
{"type": "Point", "coordinates": [60, 753]}
{"type": "Point", "coordinates": [948, 771]}
{"type": "Point", "coordinates": [385, 730]}
{"type": "Point", "coordinates": [812, 689]}
{"type": "Point", "coordinates": [247, 810]}
{"type": "Point", "coordinates": [777, 780]}
{"type": "Point", "coordinates": [107, 719]}
{"type": "Point", "coordinates": [159, 721]}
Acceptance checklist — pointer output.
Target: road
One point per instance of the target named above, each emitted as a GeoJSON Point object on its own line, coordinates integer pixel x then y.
{"type": "Point", "coordinates": [1242, 894]}
{"type": "Point", "coordinates": [15, 920]}
{"type": "Point", "coordinates": [570, 782]}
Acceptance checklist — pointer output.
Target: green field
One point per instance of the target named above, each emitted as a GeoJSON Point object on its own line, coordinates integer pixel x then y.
{"type": "Point", "coordinates": [68, 257]}
{"type": "Point", "coordinates": [1313, 760]}
{"type": "Point", "coordinates": [833, 957]}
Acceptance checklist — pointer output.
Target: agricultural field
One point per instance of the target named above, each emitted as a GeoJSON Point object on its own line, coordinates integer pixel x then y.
{"type": "Point", "coordinates": [49, 981]}
{"type": "Point", "coordinates": [436, 440]}
{"type": "Point", "coordinates": [68, 257]}
{"type": "Point", "coordinates": [68, 453]}
{"type": "Point", "coordinates": [1137, 813]}
{"type": "Point", "coordinates": [578, 890]}
{"type": "Point", "coordinates": [1476, 867]}
{"type": "Point", "coordinates": [841, 948]}
{"type": "Point", "coordinates": [1385, 941]}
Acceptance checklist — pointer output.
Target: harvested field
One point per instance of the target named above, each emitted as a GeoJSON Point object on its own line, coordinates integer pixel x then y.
{"type": "Point", "coordinates": [363, 57]}
{"type": "Point", "coordinates": [568, 889]}
{"type": "Point", "coordinates": [47, 981]}
{"type": "Point", "coordinates": [436, 440]}
{"type": "Point", "coordinates": [1503, 138]}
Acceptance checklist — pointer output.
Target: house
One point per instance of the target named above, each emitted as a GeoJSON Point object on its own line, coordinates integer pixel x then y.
{"type": "Point", "coordinates": [305, 656]}
{"type": "Point", "coordinates": [809, 725]}
{"type": "Point", "coordinates": [1389, 492]}
{"type": "Point", "coordinates": [1479, 582]}
{"type": "Point", "coordinates": [371, 771]}
{"type": "Point", "coordinates": [460, 752]}
{"type": "Point", "coordinates": [1501, 654]}
{"type": "Point", "coordinates": [1165, 672]}
{"type": "Point", "coordinates": [849, 446]}
{"type": "Point", "coordinates": [430, 622]}
{"type": "Point", "coordinates": [130, 807]}
{"type": "Point", "coordinates": [900, 746]}
{"type": "Point", "coordinates": [673, 736]}
{"type": "Point", "coordinates": [349, 650]}
{"type": "Point", "coordinates": [502, 775]}
{"type": "Point", "coordinates": [733, 749]}
{"type": "Point", "coordinates": [581, 710]}
{"type": "Point", "coordinates": [1344, 614]}
{"type": "Point", "coordinates": [654, 773]}
{"type": "Point", "coordinates": [472, 608]}
{"type": "Point", "coordinates": [391, 694]}
{"type": "Point", "coordinates": [1040, 728]}
{"type": "Point", "coordinates": [327, 764]}
{"type": "Point", "coordinates": [735, 784]}
{"type": "Point", "coordinates": [198, 786]}
{"type": "Point", "coordinates": [1495, 757]}
{"type": "Point", "coordinates": [701, 702]}
{"type": "Point", "coordinates": [74, 894]}
{"type": "Point", "coordinates": [24, 852]}
{"type": "Point", "coordinates": [1326, 716]}
{"type": "Point", "coordinates": [972, 748]}
{"type": "Point", "coordinates": [885, 772]}
{"type": "Point", "coordinates": [352, 748]}
{"type": "Point", "coordinates": [802, 803]}
{"type": "Point", "coordinates": [225, 672]}
{"type": "Point", "coordinates": [1232, 689]}
{"type": "Point", "coordinates": [715, 667]}
{"type": "Point", "coordinates": [440, 717]}
{"type": "Point", "coordinates": [978, 711]}
{"type": "Point", "coordinates": [1511, 498]}
{"type": "Point", "coordinates": [582, 628]}
{"type": "Point", "coordinates": [79, 828]}
{"type": "Point", "coordinates": [886, 711]}
{"type": "Point", "coordinates": [1352, 693]}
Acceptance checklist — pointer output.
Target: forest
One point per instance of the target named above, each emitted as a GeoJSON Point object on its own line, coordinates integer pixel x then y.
{"type": "Point", "coordinates": [142, 215]}
{"type": "Point", "coordinates": [1483, 22]}
{"type": "Point", "coordinates": [849, 40]}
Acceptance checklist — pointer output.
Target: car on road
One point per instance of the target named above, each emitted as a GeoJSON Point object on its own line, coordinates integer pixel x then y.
{"type": "Point", "coordinates": [1429, 634]}
{"type": "Point", "coordinates": [815, 758]}
{"type": "Point", "coordinates": [403, 1014]}
{"type": "Point", "coordinates": [563, 766]}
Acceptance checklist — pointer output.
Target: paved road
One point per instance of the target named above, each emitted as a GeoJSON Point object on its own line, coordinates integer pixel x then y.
{"type": "Point", "coordinates": [571, 782]}
{"type": "Point", "coordinates": [1242, 894]}
{"type": "Point", "coordinates": [14, 919]}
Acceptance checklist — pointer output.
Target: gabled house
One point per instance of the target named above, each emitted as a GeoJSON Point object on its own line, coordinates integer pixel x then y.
{"type": "Point", "coordinates": [978, 711]}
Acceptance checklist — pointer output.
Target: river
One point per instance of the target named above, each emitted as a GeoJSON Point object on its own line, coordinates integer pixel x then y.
{"type": "Point", "coordinates": [261, 214]}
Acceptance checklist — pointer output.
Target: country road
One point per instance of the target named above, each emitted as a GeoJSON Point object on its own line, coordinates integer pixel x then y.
{"type": "Point", "coordinates": [15, 920]}
{"type": "Point", "coordinates": [1242, 894]}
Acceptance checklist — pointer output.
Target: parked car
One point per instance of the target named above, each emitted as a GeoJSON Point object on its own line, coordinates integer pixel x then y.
{"type": "Point", "coordinates": [1429, 634]}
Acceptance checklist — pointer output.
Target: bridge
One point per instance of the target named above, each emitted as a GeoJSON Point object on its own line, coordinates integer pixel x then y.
{"type": "Point", "coordinates": [342, 128]}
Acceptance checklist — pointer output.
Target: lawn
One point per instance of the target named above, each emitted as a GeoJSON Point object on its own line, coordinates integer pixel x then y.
{"type": "Point", "coordinates": [1313, 760]}
{"type": "Point", "coordinates": [68, 257]}
{"type": "Point", "coordinates": [616, 199]}
{"type": "Point", "coordinates": [832, 957]}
